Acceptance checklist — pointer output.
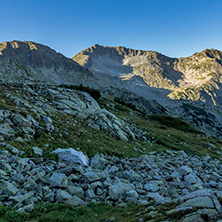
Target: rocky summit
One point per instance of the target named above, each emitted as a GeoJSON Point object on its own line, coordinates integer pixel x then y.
{"type": "Point", "coordinates": [113, 134]}
{"type": "Point", "coordinates": [32, 62]}
{"type": "Point", "coordinates": [196, 78]}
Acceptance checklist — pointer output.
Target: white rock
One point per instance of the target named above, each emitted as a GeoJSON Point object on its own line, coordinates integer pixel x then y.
{"type": "Point", "coordinates": [37, 151]}
{"type": "Point", "coordinates": [71, 155]}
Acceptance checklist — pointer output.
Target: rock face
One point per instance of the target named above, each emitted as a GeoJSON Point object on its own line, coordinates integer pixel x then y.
{"type": "Point", "coordinates": [189, 88]}
{"type": "Point", "coordinates": [32, 62]}
{"type": "Point", "coordinates": [197, 77]}
{"type": "Point", "coordinates": [187, 187]}
{"type": "Point", "coordinates": [28, 181]}
{"type": "Point", "coordinates": [45, 102]}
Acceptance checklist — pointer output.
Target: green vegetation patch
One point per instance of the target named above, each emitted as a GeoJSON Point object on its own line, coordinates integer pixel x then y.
{"type": "Point", "coordinates": [166, 132]}
{"type": "Point", "coordinates": [120, 101]}
{"type": "Point", "coordinates": [93, 92]}
{"type": "Point", "coordinates": [93, 212]}
{"type": "Point", "coordinates": [175, 123]}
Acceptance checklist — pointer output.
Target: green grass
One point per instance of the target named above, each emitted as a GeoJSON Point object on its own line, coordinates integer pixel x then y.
{"type": "Point", "coordinates": [168, 132]}
{"type": "Point", "coordinates": [175, 123]}
{"type": "Point", "coordinates": [80, 136]}
{"type": "Point", "coordinates": [93, 212]}
{"type": "Point", "coordinates": [165, 132]}
{"type": "Point", "coordinates": [129, 105]}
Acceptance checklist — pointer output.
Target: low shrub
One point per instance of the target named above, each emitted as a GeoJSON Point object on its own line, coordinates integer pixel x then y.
{"type": "Point", "coordinates": [92, 92]}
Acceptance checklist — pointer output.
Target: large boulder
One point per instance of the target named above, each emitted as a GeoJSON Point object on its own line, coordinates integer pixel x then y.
{"type": "Point", "coordinates": [58, 180]}
{"type": "Point", "coordinates": [117, 190]}
{"type": "Point", "coordinates": [71, 155]}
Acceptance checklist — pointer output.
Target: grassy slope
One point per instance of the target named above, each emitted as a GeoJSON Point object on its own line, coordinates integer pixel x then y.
{"type": "Point", "coordinates": [168, 132]}
{"type": "Point", "coordinates": [93, 212]}
{"type": "Point", "coordinates": [164, 133]}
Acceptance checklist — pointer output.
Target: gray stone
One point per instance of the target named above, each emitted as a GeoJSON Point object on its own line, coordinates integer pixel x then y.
{"type": "Point", "coordinates": [116, 191]}
{"type": "Point", "coordinates": [6, 130]}
{"type": "Point", "coordinates": [98, 162]}
{"type": "Point", "coordinates": [198, 202]}
{"type": "Point", "coordinates": [192, 178]}
{"type": "Point", "coordinates": [193, 217]}
{"type": "Point", "coordinates": [62, 195]}
{"type": "Point", "coordinates": [71, 155]}
{"type": "Point", "coordinates": [8, 188]}
{"type": "Point", "coordinates": [111, 219]}
{"type": "Point", "coordinates": [157, 197]}
{"type": "Point", "coordinates": [28, 208]}
{"type": "Point", "coordinates": [74, 190]}
{"type": "Point", "coordinates": [90, 194]}
{"type": "Point", "coordinates": [92, 176]}
{"type": "Point", "coordinates": [58, 180]}
{"type": "Point", "coordinates": [47, 119]}
{"type": "Point", "coordinates": [198, 193]}
{"type": "Point", "coordinates": [132, 175]}
{"type": "Point", "coordinates": [180, 210]}
{"type": "Point", "coordinates": [113, 170]}
{"type": "Point", "coordinates": [152, 186]}
{"type": "Point", "coordinates": [37, 151]}
{"type": "Point", "coordinates": [132, 197]}
{"type": "Point", "coordinates": [184, 170]}
{"type": "Point", "coordinates": [22, 198]}
{"type": "Point", "coordinates": [75, 201]}
{"type": "Point", "coordinates": [208, 212]}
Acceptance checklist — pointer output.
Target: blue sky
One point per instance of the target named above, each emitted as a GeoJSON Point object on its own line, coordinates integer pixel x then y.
{"type": "Point", "coordinates": [173, 27]}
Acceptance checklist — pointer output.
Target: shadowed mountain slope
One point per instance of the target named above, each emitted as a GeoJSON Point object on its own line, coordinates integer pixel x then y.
{"type": "Point", "coordinates": [197, 77]}
{"type": "Point", "coordinates": [32, 62]}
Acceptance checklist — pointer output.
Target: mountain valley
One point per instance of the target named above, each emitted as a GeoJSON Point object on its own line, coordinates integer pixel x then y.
{"type": "Point", "coordinates": [113, 134]}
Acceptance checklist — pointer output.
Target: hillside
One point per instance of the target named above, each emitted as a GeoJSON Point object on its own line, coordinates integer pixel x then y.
{"type": "Point", "coordinates": [197, 77]}
{"type": "Point", "coordinates": [33, 62]}
{"type": "Point", "coordinates": [123, 165]}
{"type": "Point", "coordinates": [116, 135]}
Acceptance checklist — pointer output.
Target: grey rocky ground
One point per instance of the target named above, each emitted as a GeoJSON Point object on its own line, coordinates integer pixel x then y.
{"type": "Point", "coordinates": [190, 185]}
{"type": "Point", "coordinates": [181, 186]}
{"type": "Point", "coordinates": [177, 186]}
{"type": "Point", "coordinates": [32, 108]}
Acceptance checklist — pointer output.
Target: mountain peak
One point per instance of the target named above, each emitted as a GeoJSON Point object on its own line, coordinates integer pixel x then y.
{"type": "Point", "coordinates": [27, 60]}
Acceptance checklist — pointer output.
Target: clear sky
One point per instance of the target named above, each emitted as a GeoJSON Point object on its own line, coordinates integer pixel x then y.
{"type": "Point", "coordinates": [173, 27]}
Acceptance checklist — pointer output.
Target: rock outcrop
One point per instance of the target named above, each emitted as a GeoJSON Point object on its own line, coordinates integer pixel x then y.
{"type": "Point", "coordinates": [197, 77]}
{"type": "Point", "coordinates": [32, 62]}
{"type": "Point", "coordinates": [39, 104]}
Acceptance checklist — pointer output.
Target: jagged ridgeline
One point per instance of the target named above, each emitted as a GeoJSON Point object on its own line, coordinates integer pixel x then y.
{"type": "Point", "coordinates": [197, 77]}
{"type": "Point", "coordinates": [32, 62]}
{"type": "Point", "coordinates": [146, 73]}
{"type": "Point", "coordinates": [189, 88]}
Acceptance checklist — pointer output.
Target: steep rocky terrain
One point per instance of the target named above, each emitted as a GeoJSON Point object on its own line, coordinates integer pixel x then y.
{"type": "Point", "coordinates": [124, 153]}
{"type": "Point", "coordinates": [33, 62]}
{"type": "Point", "coordinates": [196, 78]}
{"type": "Point", "coordinates": [189, 88]}
{"type": "Point", "coordinates": [162, 165]}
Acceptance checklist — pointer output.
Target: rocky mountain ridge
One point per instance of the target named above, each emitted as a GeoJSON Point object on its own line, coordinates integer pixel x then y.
{"type": "Point", "coordinates": [197, 77]}
{"type": "Point", "coordinates": [32, 62]}
{"type": "Point", "coordinates": [148, 79]}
